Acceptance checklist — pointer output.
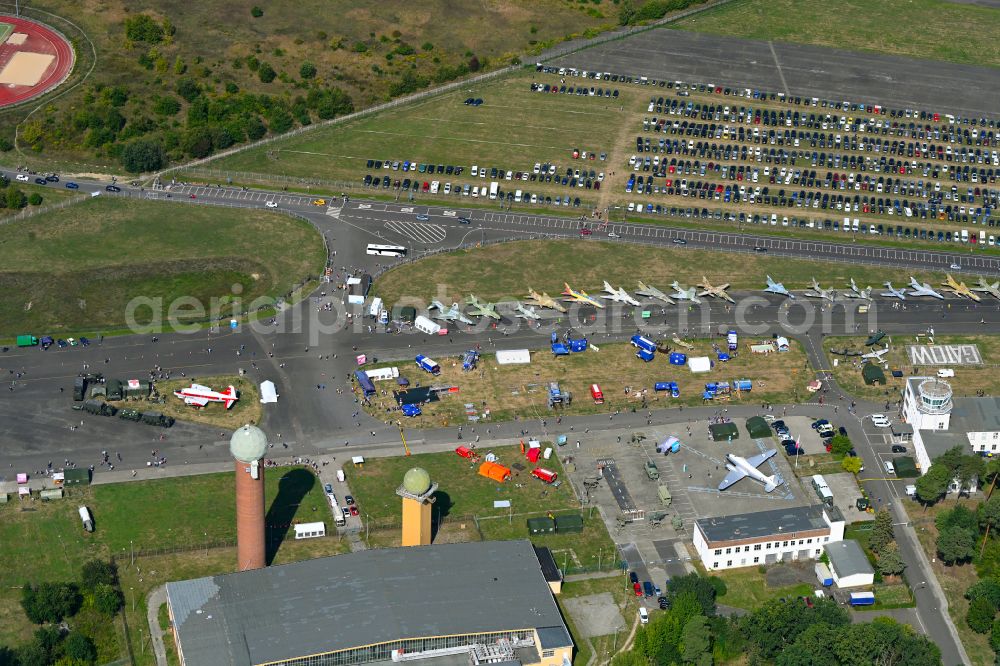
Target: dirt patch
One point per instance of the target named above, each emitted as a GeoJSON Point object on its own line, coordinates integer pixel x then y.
{"type": "Point", "coordinates": [786, 575]}
{"type": "Point", "coordinates": [595, 614]}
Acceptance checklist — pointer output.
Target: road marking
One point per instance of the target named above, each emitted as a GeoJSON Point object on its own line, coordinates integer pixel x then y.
{"type": "Point", "coordinates": [418, 231]}
{"type": "Point", "coordinates": [408, 209]}
{"type": "Point", "coordinates": [364, 206]}
{"type": "Point", "coordinates": [449, 213]}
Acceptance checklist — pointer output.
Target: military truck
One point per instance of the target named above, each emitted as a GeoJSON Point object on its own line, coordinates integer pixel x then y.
{"type": "Point", "coordinates": [98, 407]}
{"type": "Point", "coordinates": [157, 419]}
{"type": "Point", "coordinates": [664, 494]}
{"type": "Point", "coordinates": [113, 389]}
{"type": "Point", "coordinates": [79, 388]}
{"type": "Point", "coordinates": [130, 414]}
{"type": "Point", "coordinates": [651, 471]}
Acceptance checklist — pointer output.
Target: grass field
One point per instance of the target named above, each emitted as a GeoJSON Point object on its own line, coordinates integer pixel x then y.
{"type": "Point", "coordinates": [546, 265]}
{"type": "Point", "coordinates": [246, 410]}
{"type": "Point", "coordinates": [462, 494]}
{"type": "Point", "coordinates": [954, 580]}
{"type": "Point", "coordinates": [967, 380]}
{"type": "Point", "coordinates": [43, 541]}
{"type": "Point", "coordinates": [747, 588]}
{"type": "Point", "coordinates": [522, 390]}
{"type": "Point", "coordinates": [931, 29]}
{"type": "Point", "coordinates": [76, 270]}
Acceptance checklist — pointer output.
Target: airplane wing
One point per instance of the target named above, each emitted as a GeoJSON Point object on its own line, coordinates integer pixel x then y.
{"type": "Point", "coordinates": [755, 461]}
{"type": "Point", "coordinates": [731, 478]}
{"type": "Point", "coordinates": [192, 400]}
{"type": "Point", "coordinates": [199, 387]}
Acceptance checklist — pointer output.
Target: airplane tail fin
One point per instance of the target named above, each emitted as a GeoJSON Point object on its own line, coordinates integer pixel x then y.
{"type": "Point", "coordinates": [232, 396]}
{"type": "Point", "coordinates": [773, 483]}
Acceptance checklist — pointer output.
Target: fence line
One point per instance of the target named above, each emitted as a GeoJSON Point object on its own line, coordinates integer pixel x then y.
{"type": "Point", "coordinates": [38, 210]}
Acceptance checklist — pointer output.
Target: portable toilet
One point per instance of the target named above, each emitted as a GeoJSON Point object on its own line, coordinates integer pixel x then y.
{"type": "Point", "coordinates": [578, 345]}
{"type": "Point", "coordinates": [677, 358]}
{"type": "Point", "coordinates": [559, 349]}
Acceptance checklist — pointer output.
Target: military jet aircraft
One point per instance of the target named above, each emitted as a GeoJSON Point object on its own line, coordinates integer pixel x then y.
{"type": "Point", "coordinates": [777, 288]}
{"type": "Point", "coordinates": [893, 292]}
{"type": "Point", "coordinates": [819, 292]}
{"type": "Point", "coordinates": [857, 292]}
{"type": "Point", "coordinates": [714, 292]}
{"type": "Point", "coordinates": [959, 288]}
{"type": "Point", "coordinates": [544, 300]}
{"type": "Point", "coordinates": [986, 287]}
{"type": "Point", "coordinates": [618, 295]}
{"type": "Point", "coordinates": [482, 309]}
{"type": "Point", "coordinates": [684, 293]}
{"type": "Point", "coordinates": [448, 314]}
{"type": "Point", "coordinates": [653, 292]}
{"type": "Point", "coordinates": [525, 313]}
{"type": "Point", "coordinates": [918, 289]}
{"type": "Point", "coordinates": [580, 297]}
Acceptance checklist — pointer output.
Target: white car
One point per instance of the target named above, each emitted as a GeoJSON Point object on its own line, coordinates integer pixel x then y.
{"type": "Point", "coordinates": [955, 267]}
{"type": "Point", "coordinates": [22, 177]}
{"type": "Point", "coordinates": [271, 204]}
{"type": "Point", "coordinates": [880, 421]}
{"type": "Point", "coordinates": [612, 234]}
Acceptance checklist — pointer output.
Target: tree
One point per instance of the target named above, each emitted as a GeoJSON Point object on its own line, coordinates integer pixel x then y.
{"type": "Point", "coordinates": [840, 445]}
{"type": "Point", "coordinates": [988, 588]}
{"type": "Point", "coordinates": [995, 635]}
{"type": "Point", "coordinates": [50, 602]}
{"type": "Point", "coordinates": [16, 198]}
{"type": "Point", "coordinates": [932, 486]}
{"type": "Point", "coordinates": [970, 468]}
{"type": "Point", "coordinates": [955, 544]}
{"type": "Point", "coordinates": [98, 572]}
{"type": "Point", "coordinates": [307, 70]}
{"type": "Point", "coordinates": [143, 155]}
{"type": "Point", "coordinates": [107, 599]}
{"type": "Point", "coordinates": [958, 516]}
{"type": "Point", "coordinates": [142, 28]}
{"type": "Point", "coordinates": [626, 13]}
{"type": "Point", "coordinates": [882, 532]}
{"type": "Point", "coordinates": [890, 563]}
{"type": "Point", "coordinates": [989, 517]}
{"type": "Point", "coordinates": [266, 73]}
{"type": "Point", "coordinates": [188, 88]}
{"type": "Point", "coordinates": [701, 587]}
{"type": "Point", "coordinates": [851, 464]}
{"type": "Point", "coordinates": [696, 640]}
{"type": "Point", "coordinates": [166, 106]}
{"type": "Point", "coordinates": [198, 142]}
{"type": "Point", "coordinates": [79, 647]}
{"type": "Point", "coordinates": [981, 615]}
{"type": "Point", "coordinates": [35, 199]}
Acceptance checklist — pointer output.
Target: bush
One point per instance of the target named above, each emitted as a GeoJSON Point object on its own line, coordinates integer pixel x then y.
{"type": "Point", "coordinates": [98, 572]}
{"type": "Point", "coordinates": [79, 648]}
{"type": "Point", "coordinates": [307, 70]}
{"type": "Point", "coordinates": [427, 46]}
{"type": "Point", "coordinates": [50, 602]}
{"type": "Point", "coordinates": [107, 599]}
{"type": "Point", "coordinates": [198, 142]}
{"type": "Point", "coordinates": [256, 12]}
{"type": "Point", "coordinates": [980, 616]}
{"type": "Point", "coordinates": [266, 73]}
{"type": "Point", "coordinates": [35, 199]}
{"type": "Point", "coordinates": [16, 198]}
{"type": "Point", "coordinates": [143, 155]}
{"type": "Point", "coordinates": [188, 89]}
{"type": "Point", "coordinates": [142, 28]}
{"type": "Point", "coordinates": [6, 144]}
{"type": "Point", "coordinates": [473, 64]}
{"type": "Point", "coordinates": [166, 106]}
{"type": "Point", "coordinates": [359, 47]}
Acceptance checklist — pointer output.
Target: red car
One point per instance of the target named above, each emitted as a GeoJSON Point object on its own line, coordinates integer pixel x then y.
{"type": "Point", "coordinates": [637, 589]}
{"type": "Point", "coordinates": [585, 232]}
{"type": "Point", "coordinates": [354, 510]}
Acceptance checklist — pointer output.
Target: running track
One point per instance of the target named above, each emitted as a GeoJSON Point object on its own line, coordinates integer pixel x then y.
{"type": "Point", "coordinates": [41, 39]}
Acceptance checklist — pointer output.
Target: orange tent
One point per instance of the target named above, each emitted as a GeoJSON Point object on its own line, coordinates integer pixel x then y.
{"type": "Point", "coordinates": [492, 470]}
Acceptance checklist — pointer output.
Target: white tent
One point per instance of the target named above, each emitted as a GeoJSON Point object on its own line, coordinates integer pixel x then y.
{"type": "Point", "coordinates": [699, 363]}
{"type": "Point", "coordinates": [268, 394]}
{"type": "Point", "coordinates": [782, 343]}
{"type": "Point", "coordinates": [511, 356]}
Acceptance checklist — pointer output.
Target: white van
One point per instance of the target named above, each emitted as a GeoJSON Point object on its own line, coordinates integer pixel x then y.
{"type": "Point", "coordinates": [890, 469]}
{"type": "Point", "coordinates": [435, 185]}
{"type": "Point", "coordinates": [375, 308]}
{"type": "Point", "coordinates": [643, 615]}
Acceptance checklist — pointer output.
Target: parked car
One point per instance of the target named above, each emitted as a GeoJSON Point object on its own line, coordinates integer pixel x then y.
{"type": "Point", "coordinates": [898, 448]}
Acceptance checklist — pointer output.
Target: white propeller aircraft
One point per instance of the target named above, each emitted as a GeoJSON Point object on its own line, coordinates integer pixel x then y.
{"type": "Point", "coordinates": [876, 355]}
{"type": "Point", "coordinates": [740, 468]}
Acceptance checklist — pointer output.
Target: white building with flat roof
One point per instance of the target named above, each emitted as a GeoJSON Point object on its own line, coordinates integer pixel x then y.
{"type": "Point", "coordinates": [766, 537]}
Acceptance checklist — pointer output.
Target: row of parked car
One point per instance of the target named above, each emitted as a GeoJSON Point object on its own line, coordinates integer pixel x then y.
{"type": "Point", "coordinates": [584, 91]}
{"type": "Point", "coordinates": [474, 191]}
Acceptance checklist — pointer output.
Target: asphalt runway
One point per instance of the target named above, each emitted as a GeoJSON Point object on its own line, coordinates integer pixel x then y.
{"type": "Point", "coordinates": [798, 70]}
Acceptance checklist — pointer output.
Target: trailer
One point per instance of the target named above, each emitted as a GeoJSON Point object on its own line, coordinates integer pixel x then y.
{"type": "Point", "coordinates": [862, 598]}
{"type": "Point", "coordinates": [555, 394]}
{"type": "Point", "coordinates": [664, 494]}
{"type": "Point", "coordinates": [643, 343]}
{"type": "Point", "coordinates": [548, 476]}
{"type": "Point", "coordinates": [596, 394]}
{"type": "Point", "coordinates": [733, 340]}
{"type": "Point", "coordinates": [428, 365]}
{"type": "Point", "coordinates": [645, 355]}
{"type": "Point", "coordinates": [376, 308]}
{"type": "Point", "coordinates": [823, 574]}
{"type": "Point", "coordinates": [86, 518]}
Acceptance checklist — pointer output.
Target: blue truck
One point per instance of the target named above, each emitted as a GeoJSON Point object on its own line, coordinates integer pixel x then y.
{"type": "Point", "coordinates": [365, 383]}
{"type": "Point", "coordinates": [428, 365]}
{"type": "Point", "coordinates": [862, 598]}
{"type": "Point", "coordinates": [644, 343]}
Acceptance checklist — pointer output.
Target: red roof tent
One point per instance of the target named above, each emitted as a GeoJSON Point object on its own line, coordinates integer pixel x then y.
{"type": "Point", "coordinates": [533, 454]}
{"type": "Point", "coordinates": [596, 394]}
{"type": "Point", "coordinates": [545, 475]}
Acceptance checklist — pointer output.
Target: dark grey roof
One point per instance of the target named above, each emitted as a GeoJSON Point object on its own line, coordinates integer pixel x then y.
{"type": "Point", "coordinates": [762, 523]}
{"type": "Point", "coordinates": [548, 563]}
{"type": "Point", "coordinates": [937, 442]}
{"type": "Point", "coordinates": [847, 558]}
{"type": "Point", "coordinates": [975, 415]}
{"type": "Point", "coordinates": [375, 596]}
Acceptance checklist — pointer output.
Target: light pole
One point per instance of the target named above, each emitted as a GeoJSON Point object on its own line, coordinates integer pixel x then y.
{"type": "Point", "coordinates": [133, 598]}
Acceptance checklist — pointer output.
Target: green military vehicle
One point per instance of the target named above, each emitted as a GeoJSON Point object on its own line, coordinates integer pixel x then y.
{"type": "Point", "coordinates": [97, 407]}
{"type": "Point", "coordinates": [664, 494]}
{"type": "Point", "coordinates": [651, 471]}
{"type": "Point", "coordinates": [130, 414]}
{"type": "Point", "coordinates": [157, 419]}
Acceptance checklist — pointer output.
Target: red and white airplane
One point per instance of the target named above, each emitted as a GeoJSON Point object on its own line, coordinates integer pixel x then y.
{"type": "Point", "coordinates": [199, 395]}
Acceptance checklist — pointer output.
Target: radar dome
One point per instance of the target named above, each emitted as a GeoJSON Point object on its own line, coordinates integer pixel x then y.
{"type": "Point", "coordinates": [248, 443]}
{"type": "Point", "coordinates": [417, 481]}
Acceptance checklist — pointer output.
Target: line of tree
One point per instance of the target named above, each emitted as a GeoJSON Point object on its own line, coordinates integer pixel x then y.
{"type": "Point", "coordinates": [52, 605]}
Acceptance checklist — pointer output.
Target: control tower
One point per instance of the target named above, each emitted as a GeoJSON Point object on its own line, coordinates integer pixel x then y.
{"type": "Point", "coordinates": [417, 492]}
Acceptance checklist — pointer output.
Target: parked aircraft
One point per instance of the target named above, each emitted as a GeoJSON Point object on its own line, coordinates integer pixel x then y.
{"type": "Point", "coordinates": [580, 297]}
{"type": "Point", "coordinates": [819, 292]}
{"type": "Point", "coordinates": [846, 351]}
{"type": "Point", "coordinates": [876, 355]}
{"type": "Point", "coordinates": [922, 289]}
{"type": "Point", "coordinates": [653, 292]}
{"type": "Point", "coordinates": [715, 292]}
{"type": "Point", "coordinates": [525, 312]}
{"type": "Point", "coordinates": [618, 295]}
{"type": "Point", "coordinates": [740, 468]}
{"type": "Point", "coordinates": [684, 293]}
{"type": "Point", "coordinates": [874, 338]}
{"type": "Point", "coordinates": [449, 314]}
{"type": "Point", "coordinates": [856, 292]}
{"type": "Point", "coordinates": [544, 300]}
{"type": "Point", "coordinates": [777, 288]}
{"type": "Point", "coordinates": [199, 396]}
{"type": "Point", "coordinates": [991, 289]}
{"type": "Point", "coordinates": [482, 309]}
{"type": "Point", "coordinates": [959, 288]}
{"type": "Point", "coordinates": [893, 292]}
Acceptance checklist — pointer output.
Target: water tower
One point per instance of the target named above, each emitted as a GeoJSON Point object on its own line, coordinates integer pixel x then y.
{"type": "Point", "coordinates": [417, 492]}
{"type": "Point", "coordinates": [248, 446]}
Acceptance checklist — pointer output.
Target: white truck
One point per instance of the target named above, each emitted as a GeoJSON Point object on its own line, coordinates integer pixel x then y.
{"type": "Point", "coordinates": [88, 520]}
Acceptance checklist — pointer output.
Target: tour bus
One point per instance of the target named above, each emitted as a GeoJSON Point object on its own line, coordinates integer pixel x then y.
{"type": "Point", "coordinates": [387, 250]}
